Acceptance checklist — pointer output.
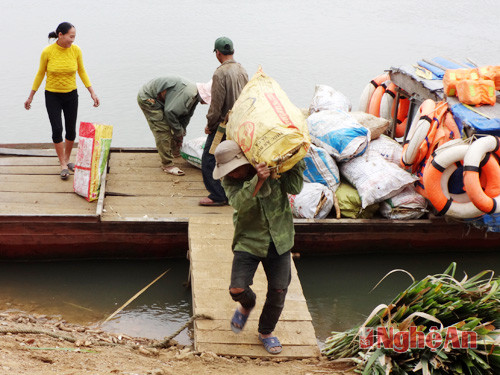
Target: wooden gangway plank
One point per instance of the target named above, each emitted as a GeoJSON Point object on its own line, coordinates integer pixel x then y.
{"type": "Point", "coordinates": [211, 259]}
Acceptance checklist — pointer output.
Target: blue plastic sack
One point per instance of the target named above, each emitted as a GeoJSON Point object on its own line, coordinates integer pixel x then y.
{"type": "Point", "coordinates": [321, 168]}
{"type": "Point", "coordinates": [338, 133]}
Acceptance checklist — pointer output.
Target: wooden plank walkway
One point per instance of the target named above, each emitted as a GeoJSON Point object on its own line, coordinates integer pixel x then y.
{"type": "Point", "coordinates": [138, 190]}
{"type": "Point", "coordinates": [211, 258]}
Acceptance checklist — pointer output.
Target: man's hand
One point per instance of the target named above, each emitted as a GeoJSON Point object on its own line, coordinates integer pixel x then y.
{"type": "Point", "coordinates": [263, 172]}
{"type": "Point", "coordinates": [207, 130]}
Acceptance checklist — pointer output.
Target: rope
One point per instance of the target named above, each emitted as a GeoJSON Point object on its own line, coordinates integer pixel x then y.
{"type": "Point", "coordinates": [165, 343]}
{"type": "Point", "coordinates": [37, 331]}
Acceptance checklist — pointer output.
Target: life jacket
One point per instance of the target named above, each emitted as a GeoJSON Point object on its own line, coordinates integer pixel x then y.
{"type": "Point", "coordinates": [476, 92]}
{"type": "Point", "coordinates": [442, 129]}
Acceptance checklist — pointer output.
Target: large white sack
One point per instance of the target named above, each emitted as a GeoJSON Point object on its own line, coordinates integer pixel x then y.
{"type": "Point", "coordinates": [387, 147]}
{"type": "Point", "coordinates": [321, 168]}
{"type": "Point", "coordinates": [315, 201]}
{"type": "Point", "coordinates": [406, 205]}
{"type": "Point", "coordinates": [338, 133]}
{"type": "Point", "coordinates": [192, 150]}
{"type": "Point", "coordinates": [326, 98]}
{"type": "Point", "coordinates": [375, 178]}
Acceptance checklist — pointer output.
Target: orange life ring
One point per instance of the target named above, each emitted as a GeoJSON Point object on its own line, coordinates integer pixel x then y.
{"type": "Point", "coordinates": [401, 117]}
{"type": "Point", "coordinates": [388, 100]}
{"type": "Point", "coordinates": [364, 100]}
{"type": "Point", "coordinates": [403, 107]}
{"type": "Point", "coordinates": [401, 128]}
{"type": "Point", "coordinates": [376, 99]}
{"type": "Point", "coordinates": [472, 182]}
{"type": "Point", "coordinates": [433, 174]}
{"type": "Point", "coordinates": [413, 149]}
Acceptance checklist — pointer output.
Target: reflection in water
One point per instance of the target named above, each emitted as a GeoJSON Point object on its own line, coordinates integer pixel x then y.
{"type": "Point", "coordinates": [337, 289]}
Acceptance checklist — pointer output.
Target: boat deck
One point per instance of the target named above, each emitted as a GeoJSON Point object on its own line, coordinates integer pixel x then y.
{"type": "Point", "coordinates": [143, 212]}
{"type": "Point", "coordinates": [210, 259]}
{"type": "Point", "coordinates": [30, 186]}
{"type": "Point", "coordinates": [138, 190]}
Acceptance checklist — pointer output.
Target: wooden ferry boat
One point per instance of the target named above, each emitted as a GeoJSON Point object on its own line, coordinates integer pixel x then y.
{"type": "Point", "coordinates": [144, 213]}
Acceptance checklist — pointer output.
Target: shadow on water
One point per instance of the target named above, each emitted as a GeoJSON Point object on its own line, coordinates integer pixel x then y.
{"type": "Point", "coordinates": [337, 289]}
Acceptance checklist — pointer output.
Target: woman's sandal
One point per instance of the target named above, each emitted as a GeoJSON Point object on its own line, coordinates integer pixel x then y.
{"type": "Point", "coordinates": [173, 170]}
{"type": "Point", "coordinates": [238, 321]}
{"type": "Point", "coordinates": [64, 174]}
{"type": "Point", "coordinates": [270, 343]}
{"type": "Point", "coordinates": [71, 167]}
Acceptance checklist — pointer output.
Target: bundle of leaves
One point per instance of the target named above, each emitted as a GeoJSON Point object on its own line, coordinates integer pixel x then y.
{"type": "Point", "coordinates": [437, 326]}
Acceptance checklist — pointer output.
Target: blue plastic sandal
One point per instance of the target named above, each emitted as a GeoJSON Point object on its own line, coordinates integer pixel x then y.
{"type": "Point", "coordinates": [238, 321]}
{"type": "Point", "coordinates": [271, 343]}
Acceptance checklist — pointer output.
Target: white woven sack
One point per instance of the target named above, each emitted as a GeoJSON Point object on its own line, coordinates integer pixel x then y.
{"type": "Point", "coordinates": [406, 205]}
{"type": "Point", "coordinates": [321, 168]}
{"type": "Point", "coordinates": [192, 151]}
{"type": "Point", "coordinates": [326, 98]}
{"type": "Point", "coordinates": [375, 178]}
{"type": "Point", "coordinates": [315, 201]}
{"type": "Point", "coordinates": [338, 133]}
{"type": "Point", "coordinates": [387, 147]}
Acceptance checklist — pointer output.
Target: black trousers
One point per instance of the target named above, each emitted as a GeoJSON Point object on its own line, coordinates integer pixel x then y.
{"type": "Point", "coordinates": [214, 187]}
{"type": "Point", "coordinates": [278, 272]}
{"type": "Point", "coordinates": [58, 103]}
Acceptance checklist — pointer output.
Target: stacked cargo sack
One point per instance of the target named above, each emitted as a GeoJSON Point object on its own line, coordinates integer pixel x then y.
{"type": "Point", "coordinates": [321, 168]}
{"type": "Point", "coordinates": [327, 98]}
{"type": "Point", "coordinates": [350, 204]}
{"type": "Point", "coordinates": [333, 138]}
{"type": "Point", "coordinates": [408, 203]}
{"type": "Point", "coordinates": [375, 178]}
{"type": "Point", "coordinates": [338, 133]}
{"type": "Point", "coordinates": [315, 201]}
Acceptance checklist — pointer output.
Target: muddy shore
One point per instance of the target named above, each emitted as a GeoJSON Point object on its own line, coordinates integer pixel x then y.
{"type": "Point", "coordinates": [40, 344]}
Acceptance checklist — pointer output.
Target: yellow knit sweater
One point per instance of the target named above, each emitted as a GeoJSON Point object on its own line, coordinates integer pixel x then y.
{"type": "Point", "coordinates": [61, 65]}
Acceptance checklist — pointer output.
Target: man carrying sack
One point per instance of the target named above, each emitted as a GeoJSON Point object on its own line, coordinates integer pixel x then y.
{"type": "Point", "coordinates": [263, 232]}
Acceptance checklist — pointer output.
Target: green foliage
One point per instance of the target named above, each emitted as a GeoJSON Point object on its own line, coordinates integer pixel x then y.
{"type": "Point", "coordinates": [438, 303]}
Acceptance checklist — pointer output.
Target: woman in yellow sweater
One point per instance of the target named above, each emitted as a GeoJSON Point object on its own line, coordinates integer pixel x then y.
{"type": "Point", "coordinates": [61, 60]}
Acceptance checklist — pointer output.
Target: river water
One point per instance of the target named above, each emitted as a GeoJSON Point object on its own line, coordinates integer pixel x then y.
{"type": "Point", "coordinates": [298, 43]}
{"type": "Point", "coordinates": [337, 289]}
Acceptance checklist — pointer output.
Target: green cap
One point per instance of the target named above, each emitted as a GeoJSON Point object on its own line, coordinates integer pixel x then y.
{"type": "Point", "coordinates": [224, 45]}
